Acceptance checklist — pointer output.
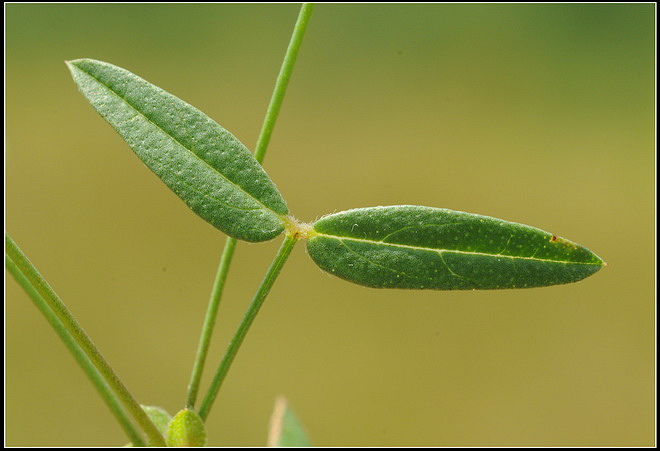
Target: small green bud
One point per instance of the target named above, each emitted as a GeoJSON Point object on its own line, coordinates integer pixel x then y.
{"type": "Point", "coordinates": [186, 429]}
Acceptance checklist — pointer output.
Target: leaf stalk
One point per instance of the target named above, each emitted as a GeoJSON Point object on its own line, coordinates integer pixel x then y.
{"type": "Point", "coordinates": [250, 314]}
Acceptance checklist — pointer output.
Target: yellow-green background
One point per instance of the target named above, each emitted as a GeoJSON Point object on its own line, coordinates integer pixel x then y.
{"type": "Point", "coordinates": [539, 114]}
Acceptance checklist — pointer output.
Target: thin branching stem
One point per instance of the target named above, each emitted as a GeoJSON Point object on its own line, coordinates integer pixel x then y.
{"type": "Point", "coordinates": [209, 321]}
{"type": "Point", "coordinates": [230, 244]}
{"type": "Point", "coordinates": [283, 81]}
{"type": "Point", "coordinates": [250, 314]}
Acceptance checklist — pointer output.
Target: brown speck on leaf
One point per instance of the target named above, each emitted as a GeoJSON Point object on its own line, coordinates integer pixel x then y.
{"type": "Point", "coordinates": [553, 238]}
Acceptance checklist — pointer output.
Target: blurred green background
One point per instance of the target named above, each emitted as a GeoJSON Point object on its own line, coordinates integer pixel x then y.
{"type": "Point", "coordinates": [539, 114]}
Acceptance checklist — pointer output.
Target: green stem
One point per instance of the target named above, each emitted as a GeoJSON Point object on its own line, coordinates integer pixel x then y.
{"type": "Point", "coordinates": [253, 309]}
{"type": "Point", "coordinates": [262, 145]}
{"type": "Point", "coordinates": [209, 321]}
{"type": "Point", "coordinates": [283, 81]}
{"type": "Point", "coordinates": [58, 308]}
{"type": "Point", "coordinates": [94, 376]}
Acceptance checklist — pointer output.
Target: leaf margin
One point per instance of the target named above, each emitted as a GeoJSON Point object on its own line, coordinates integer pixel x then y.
{"type": "Point", "coordinates": [269, 217]}
{"type": "Point", "coordinates": [319, 248]}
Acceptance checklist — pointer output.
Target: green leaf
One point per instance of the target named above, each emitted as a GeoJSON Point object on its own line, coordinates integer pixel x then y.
{"type": "Point", "coordinates": [204, 164]}
{"type": "Point", "coordinates": [285, 428]}
{"type": "Point", "coordinates": [186, 429]}
{"type": "Point", "coordinates": [159, 417]}
{"type": "Point", "coordinates": [432, 248]}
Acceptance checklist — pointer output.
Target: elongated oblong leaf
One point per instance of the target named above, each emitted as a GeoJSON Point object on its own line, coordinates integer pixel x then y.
{"type": "Point", "coordinates": [204, 164]}
{"type": "Point", "coordinates": [422, 247]}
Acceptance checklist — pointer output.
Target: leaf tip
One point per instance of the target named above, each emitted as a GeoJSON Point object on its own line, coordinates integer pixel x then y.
{"type": "Point", "coordinates": [599, 261]}
{"type": "Point", "coordinates": [76, 62]}
{"type": "Point", "coordinates": [71, 64]}
{"type": "Point", "coordinates": [285, 429]}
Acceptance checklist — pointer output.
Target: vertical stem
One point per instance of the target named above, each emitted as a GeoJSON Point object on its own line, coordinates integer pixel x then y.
{"type": "Point", "coordinates": [209, 321]}
{"type": "Point", "coordinates": [78, 334]}
{"type": "Point", "coordinates": [94, 376]}
{"type": "Point", "coordinates": [253, 309]}
{"type": "Point", "coordinates": [283, 81]}
{"type": "Point", "coordinates": [262, 144]}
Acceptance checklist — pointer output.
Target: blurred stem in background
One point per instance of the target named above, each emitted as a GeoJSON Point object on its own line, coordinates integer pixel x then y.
{"type": "Point", "coordinates": [80, 345]}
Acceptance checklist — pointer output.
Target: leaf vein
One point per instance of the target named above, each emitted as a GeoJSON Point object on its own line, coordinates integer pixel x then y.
{"type": "Point", "coordinates": [416, 227]}
{"type": "Point", "coordinates": [373, 262]}
{"type": "Point", "coordinates": [201, 193]}
{"type": "Point", "coordinates": [166, 133]}
{"type": "Point", "coordinates": [455, 251]}
{"type": "Point", "coordinates": [450, 270]}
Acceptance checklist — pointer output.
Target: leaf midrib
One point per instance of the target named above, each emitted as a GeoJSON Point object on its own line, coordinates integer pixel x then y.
{"type": "Point", "coordinates": [441, 251]}
{"type": "Point", "coordinates": [179, 143]}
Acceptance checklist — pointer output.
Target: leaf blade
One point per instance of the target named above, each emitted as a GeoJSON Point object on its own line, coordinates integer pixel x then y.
{"type": "Point", "coordinates": [204, 164]}
{"type": "Point", "coordinates": [159, 417]}
{"type": "Point", "coordinates": [285, 428]}
{"type": "Point", "coordinates": [430, 248]}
